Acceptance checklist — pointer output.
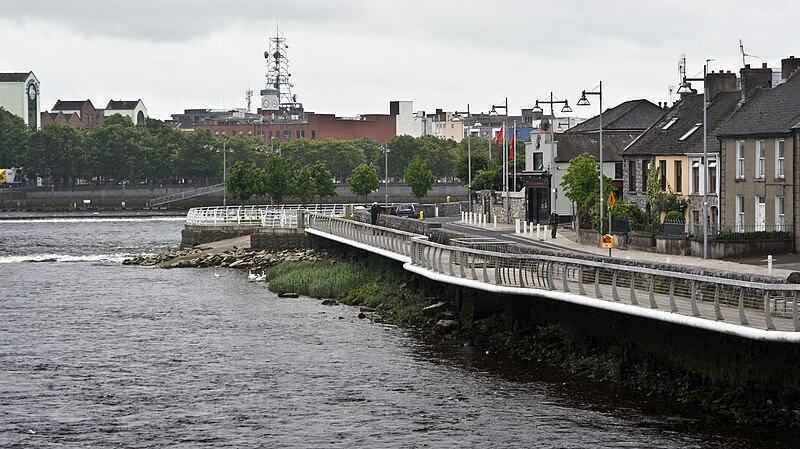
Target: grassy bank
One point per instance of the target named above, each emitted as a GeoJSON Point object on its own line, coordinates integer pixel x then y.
{"type": "Point", "coordinates": [370, 281]}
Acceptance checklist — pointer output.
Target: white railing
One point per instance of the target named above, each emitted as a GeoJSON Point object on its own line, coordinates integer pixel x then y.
{"type": "Point", "coordinates": [723, 304]}
{"type": "Point", "coordinates": [259, 216]}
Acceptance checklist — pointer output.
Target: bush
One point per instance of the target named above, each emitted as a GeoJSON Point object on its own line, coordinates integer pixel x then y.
{"type": "Point", "coordinates": [674, 215]}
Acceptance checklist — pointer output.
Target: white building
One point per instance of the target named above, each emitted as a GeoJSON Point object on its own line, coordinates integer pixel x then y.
{"type": "Point", "coordinates": [133, 109]}
{"type": "Point", "coordinates": [19, 95]}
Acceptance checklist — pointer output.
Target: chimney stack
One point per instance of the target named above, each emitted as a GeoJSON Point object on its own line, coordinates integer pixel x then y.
{"type": "Point", "coordinates": [789, 66]}
{"type": "Point", "coordinates": [720, 82]}
{"type": "Point", "coordinates": [753, 79]}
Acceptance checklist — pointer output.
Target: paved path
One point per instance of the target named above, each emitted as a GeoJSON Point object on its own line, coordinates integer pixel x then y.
{"type": "Point", "coordinates": [566, 240]}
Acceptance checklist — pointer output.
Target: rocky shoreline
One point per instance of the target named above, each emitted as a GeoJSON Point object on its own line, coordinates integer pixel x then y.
{"type": "Point", "coordinates": [433, 320]}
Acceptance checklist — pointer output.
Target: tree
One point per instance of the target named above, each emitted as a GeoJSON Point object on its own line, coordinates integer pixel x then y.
{"type": "Point", "coordinates": [245, 180]}
{"type": "Point", "coordinates": [364, 180]}
{"type": "Point", "coordinates": [305, 186]}
{"type": "Point", "coordinates": [419, 177]}
{"type": "Point", "coordinates": [581, 184]}
{"type": "Point", "coordinates": [279, 179]}
{"type": "Point", "coordinates": [340, 157]}
{"type": "Point", "coordinates": [115, 150]}
{"type": "Point", "coordinates": [55, 152]}
{"type": "Point", "coordinates": [13, 139]}
{"type": "Point", "coordinates": [662, 202]}
{"type": "Point", "coordinates": [323, 180]}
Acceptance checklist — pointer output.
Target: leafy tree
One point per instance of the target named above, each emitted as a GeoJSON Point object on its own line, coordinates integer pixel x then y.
{"type": "Point", "coordinates": [340, 157]}
{"type": "Point", "coordinates": [245, 180]}
{"type": "Point", "coordinates": [13, 139]}
{"type": "Point", "coordinates": [305, 185]}
{"type": "Point", "coordinates": [115, 150]}
{"type": "Point", "coordinates": [200, 157]}
{"type": "Point", "coordinates": [279, 178]}
{"type": "Point", "coordinates": [439, 154]}
{"type": "Point", "coordinates": [488, 179]}
{"type": "Point", "coordinates": [581, 184]}
{"type": "Point", "coordinates": [402, 150]}
{"type": "Point", "coordinates": [419, 177]}
{"type": "Point", "coordinates": [480, 161]}
{"type": "Point", "coordinates": [301, 152]}
{"type": "Point", "coordinates": [370, 148]}
{"type": "Point", "coordinates": [323, 180]}
{"type": "Point", "coordinates": [55, 152]}
{"type": "Point", "coordinates": [364, 180]}
{"type": "Point", "coordinates": [661, 202]}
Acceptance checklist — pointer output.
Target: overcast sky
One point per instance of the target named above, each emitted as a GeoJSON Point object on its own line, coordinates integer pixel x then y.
{"type": "Point", "coordinates": [354, 56]}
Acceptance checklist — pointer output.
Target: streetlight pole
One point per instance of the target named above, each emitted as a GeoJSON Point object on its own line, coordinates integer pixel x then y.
{"type": "Point", "coordinates": [457, 116]}
{"type": "Point", "coordinates": [564, 109]}
{"type": "Point", "coordinates": [224, 177]}
{"type": "Point", "coordinates": [585, 102]}
{"type": "Point", "coordinates": [686, 88]}
{"type": "Point", "coordinates": [495, 107]}
{"type": "Point", "coordinates": [385, 151]}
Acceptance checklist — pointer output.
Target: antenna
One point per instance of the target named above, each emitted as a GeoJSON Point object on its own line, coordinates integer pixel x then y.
{"type": "Point", "coordinates": [671, 91]}
{"type": "Point", "coordinates": [741, 49]}
{"type": "Point", "coordinates": [248, 94]}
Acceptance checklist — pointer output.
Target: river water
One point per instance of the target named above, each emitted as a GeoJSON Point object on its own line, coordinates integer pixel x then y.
{"type": "Point", "coordinates": [96, 354]}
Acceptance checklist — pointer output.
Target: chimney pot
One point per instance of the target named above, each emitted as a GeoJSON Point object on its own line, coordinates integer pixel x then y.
{"type": "Point", "coordinates": [763, 65]}
{"type": "Point", "coordinates": [747, 66]}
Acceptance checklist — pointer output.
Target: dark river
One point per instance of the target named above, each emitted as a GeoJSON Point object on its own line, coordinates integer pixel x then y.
{"type": "Point", "coordinates": [94, 354]}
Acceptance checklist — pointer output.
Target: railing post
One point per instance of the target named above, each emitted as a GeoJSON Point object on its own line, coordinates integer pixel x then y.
{"type": "Point", "coordinates": [597, 292]}
{"type": "Point", "coordinates": [693, 299]}
{"type": "Point", "coordinates": [633, 289]}
{"type": "Point", "coordinates": [651, 294]}
{"type": "Point", "coordinates": [672, 306]}
{"type": "Point", "coordinates": [768, 311]}
{"type": "Point", "coordinates": [717, 312]}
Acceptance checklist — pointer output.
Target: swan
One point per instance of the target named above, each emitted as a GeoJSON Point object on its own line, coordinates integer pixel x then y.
{"type": "Point", "coordinates": [216, 275]}
{"type": "Point", "coordinates": [251, 276]}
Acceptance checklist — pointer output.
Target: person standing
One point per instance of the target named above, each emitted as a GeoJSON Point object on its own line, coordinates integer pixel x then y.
{"type": "Point", "coordinates": [553, 222]}
{"type": "Point", "coordinates": [374, 211]}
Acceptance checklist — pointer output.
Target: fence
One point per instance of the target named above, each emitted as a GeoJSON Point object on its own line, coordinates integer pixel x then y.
{"type": "Point", "coordinates": [278, 216]}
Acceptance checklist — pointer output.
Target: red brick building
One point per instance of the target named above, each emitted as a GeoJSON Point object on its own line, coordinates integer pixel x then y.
{"type": "Point", "coordinates": [79, 114]}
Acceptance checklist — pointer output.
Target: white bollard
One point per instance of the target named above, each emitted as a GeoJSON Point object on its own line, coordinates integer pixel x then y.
{"type": "Point", "coordinates": [669, 260]}
{"type": "Point", "coordinates": [538, 229]}
{"type": "Point", "coordinates": [494, 219]}
{"type": "Point", "coordinates": [516, 226]}
{"type": "Point", "coordinates": [463, 216]}
{"type": "Point", "coordinates": [531, 230]}
{"type": "Point", "coordinates": [769, 264]}
{"type": "Point", "coordinates": [436, 210]}
{"type": "Point", "coordinates": [524, 228]}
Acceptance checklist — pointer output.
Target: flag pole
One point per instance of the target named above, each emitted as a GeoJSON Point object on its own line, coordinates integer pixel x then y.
{"type": "Point", "coordinates": [514, 142]}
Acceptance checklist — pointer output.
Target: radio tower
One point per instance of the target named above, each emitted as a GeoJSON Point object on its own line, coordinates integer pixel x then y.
{"type": "Point", "coordinates": [277, 93]}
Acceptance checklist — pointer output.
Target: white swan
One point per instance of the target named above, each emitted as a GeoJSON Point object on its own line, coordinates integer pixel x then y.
{"type": "Point", "coordinates": [251, 276]}
{"type": "Point", "coordinates": [216, 275]}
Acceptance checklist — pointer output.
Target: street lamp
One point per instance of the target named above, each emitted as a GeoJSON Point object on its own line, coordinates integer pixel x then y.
{"type": "Point", "coordinates": [385, 150]}
{"type": "Point", "coordinates": [686, 88]}
{"type": "Point", "coordinates": [457, 118]}
{"type": "Point", "coordinates": [504, 107]}
{"type": "Point", "coordinates": [585, 102]}
{"type": "Point", "coordinates": [565, 109]}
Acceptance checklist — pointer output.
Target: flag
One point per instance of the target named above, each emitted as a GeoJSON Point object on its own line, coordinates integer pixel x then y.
{"type": "Point", "coordinates": [498, 137]}
{"type": "Point", "coordinates": [511, 148]}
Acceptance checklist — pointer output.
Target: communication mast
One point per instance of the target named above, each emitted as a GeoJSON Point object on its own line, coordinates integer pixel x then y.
{"type": "Point", "coordinates": [277, 93]}
{"type": "Point", "coordinates": [248, 95]}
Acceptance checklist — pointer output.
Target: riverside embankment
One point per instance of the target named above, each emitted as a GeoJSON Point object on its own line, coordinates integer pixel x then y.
{"type": "Point", "coordinates": [387, 293]}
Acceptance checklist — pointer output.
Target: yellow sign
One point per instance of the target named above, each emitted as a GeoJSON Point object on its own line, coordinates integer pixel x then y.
{"type": "Point", "coordinates": [3, 178]}
{"type": "Point", "coordinates": [612, 200]}
{"type": "Point", "coordinates": [607, 241]}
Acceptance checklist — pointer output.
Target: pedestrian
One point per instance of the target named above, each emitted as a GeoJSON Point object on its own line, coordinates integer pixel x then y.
{"type": "Point", "coordinates": [553, 222]}
{"type": "Point", "coordinates": [374, 211]}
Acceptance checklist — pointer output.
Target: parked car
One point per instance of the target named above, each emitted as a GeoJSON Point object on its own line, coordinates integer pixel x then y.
{"type": "Point", "coordinates": [406, 210]}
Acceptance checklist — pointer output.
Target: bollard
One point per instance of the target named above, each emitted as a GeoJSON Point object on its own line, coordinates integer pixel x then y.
{"type": "Point", "coordinates": [463, 216]}
{"type": "Point", "coordinates": [524, 228]}
{"type": "Point", "coordinates": [436, 210]}
{"type": "Point", "coordinates": [669, 260]}
{"type": "Point", "coordinates": [422, 215]}
{"type": "Point", "coordinates": [516, 226]}
{"type": "Point", "coordinates": [531, 230]}
{"type": "Point", "coordinates": [448, 198]}
{"type": "Point", "coordinates": [769, 264]}
{"type": "Point", "coordinates": [494, 219]}
{"type": "Point", "coordinates": [538, 229]}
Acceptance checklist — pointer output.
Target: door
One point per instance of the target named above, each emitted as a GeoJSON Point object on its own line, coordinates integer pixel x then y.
{"type": "Point", "coordinates": [761, 214]}
{"type": "Point", "coordinates": [538, 204]}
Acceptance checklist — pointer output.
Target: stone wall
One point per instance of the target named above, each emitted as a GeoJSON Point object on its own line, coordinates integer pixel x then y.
{"type": "Point", "coordinates": [673, 244]}
{"type": "Point", "coordinates": [197, 235]}
{"type": "Point", "coordinates": [400, 223]}
{"type": "Point", "coordinates": [287, 239]}
{"type": "Point", "coordinates": [732, 248]}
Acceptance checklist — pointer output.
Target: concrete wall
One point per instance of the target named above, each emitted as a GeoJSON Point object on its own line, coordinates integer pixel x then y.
{"type": "Point", "coordinates": [197, 235]}
{"type": "Point", "coordinates": [722, 249]}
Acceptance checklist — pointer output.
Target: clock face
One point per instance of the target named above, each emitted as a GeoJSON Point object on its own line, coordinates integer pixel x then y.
{"type": "Point", "coordinates": [31, 92]}
{"type": "Point", "coordinates": [266, 103]}
{"type": "Point", "coordinates": [274, 103]}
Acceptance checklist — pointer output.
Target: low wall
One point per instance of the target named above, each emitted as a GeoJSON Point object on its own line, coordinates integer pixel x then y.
{"type": "Point", "coordinates": [674, 245]}
{"type": "Point", "coordinates": [400, 223]}
{"type": "Point", "coordinates": [287, 239]}
{"type": "Point", "coordinates": [734, 248]}
{"type": "Point", "coordinates": [197, 235]}
{"type": "Point", "coordinates": [642, 242]}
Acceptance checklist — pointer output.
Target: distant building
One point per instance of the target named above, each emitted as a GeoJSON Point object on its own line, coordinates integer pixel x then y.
{"type": "Point", "coordinates": [19, 95]}
{"type": "Point", "coordinates": [76, 113]}
{"type": "Point", "coordinates": [133, 109]}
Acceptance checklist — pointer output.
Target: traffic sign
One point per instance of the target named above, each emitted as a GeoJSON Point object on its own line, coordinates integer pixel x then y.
{"type": "Point", "coordinates": [612, 200]}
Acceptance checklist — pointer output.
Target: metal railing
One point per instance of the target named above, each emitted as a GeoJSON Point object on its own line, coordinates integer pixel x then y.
{"type": "Point", "coordinates": [754, 305]}
{"type": "Point", "coordinates": [392, 240]}
{"type": "Point", "coordinates": [161, 200]}
{"type": "Point", "coordinates": [278, 216]}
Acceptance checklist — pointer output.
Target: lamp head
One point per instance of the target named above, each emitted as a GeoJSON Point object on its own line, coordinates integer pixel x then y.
{"type": "Point", "coordinates": [566, 107]}
{"type": "Point", "coordinates": [493, 111]}
{"type": "Point", "coordinates": [583, 101]}
{"type": "Point", "coordinates": [536, 108]}
{"type": "Point", "coordinates": [686, 88]}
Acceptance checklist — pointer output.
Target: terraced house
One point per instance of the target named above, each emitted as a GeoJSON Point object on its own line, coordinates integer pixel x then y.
{"type": "Point", "coordinates": [759, 145]}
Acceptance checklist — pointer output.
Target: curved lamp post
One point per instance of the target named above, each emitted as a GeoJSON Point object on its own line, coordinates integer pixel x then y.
{"type": "Point", "coordinates": [585, 102]}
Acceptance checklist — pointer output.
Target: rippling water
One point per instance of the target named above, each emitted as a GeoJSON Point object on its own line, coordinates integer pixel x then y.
{"type": "Point", "coordinates": [95, 354]}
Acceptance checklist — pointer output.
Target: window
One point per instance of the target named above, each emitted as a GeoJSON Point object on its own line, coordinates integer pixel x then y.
{"type": "Point", "coordinates": [287, 134]}
{"type": "Point", "coordinates": [663, 172]}
{"type": "Point", "coordinates": [261, 135]}
{"type": "Point", "coordinates": [780, 214]}
{"type": "Point", "coordinates": [645, 174]}
{"type": "Point", "coordinates": [712, 177]}
{"type": "Point", "coordinates": [313, 133]}
{"type": "Point", "coordinates": [689, 133]}
{"type": "Point", "coordinates": [696, 177]}
{"type": "Point", "coordinates": [740, 159]}
{"type": "Point", "coordinates": [739, 213]}
{"type": "Point", "coordinates": [678, 176]}
{"type": "Point", "coordinates": [538, 161]}
{"type": "Point", "coordinates": [250, 133]}
{"type": "Point", "coordinates": [761, 154]}
{"type": "Point", "coordinates": [223, 133]}
{"type": "Point", "coordinates": [632, 176]}
{"type": "Point", "coordinates": [780, 160]}
{"type": "Point", "coordinates": [216, 133]}
{"type": "Point", "coordinates": [670, 123]}
{"type": "Point", "coordinates": [618, 170]}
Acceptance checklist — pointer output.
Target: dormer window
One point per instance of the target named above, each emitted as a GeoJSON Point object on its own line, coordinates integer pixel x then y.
{"type": "Point", "coordinates": [669, 123]}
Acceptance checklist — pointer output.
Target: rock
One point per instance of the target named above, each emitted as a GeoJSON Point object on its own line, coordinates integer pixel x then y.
{"type": "Point", "coordinates": [447, 325]}
{"type": "Point", "coordinates": [794, 277]}
{"type": "Point", "coordinates": [288, 295]}
{"type": "Point", "coordinates": [434, 308]}
{"type": "Point", "coordinates": [368, 309]}
{"type": "Point", "coordinates": [362, 315]}
{"type": "Point", "coordinates": [329, 302]}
